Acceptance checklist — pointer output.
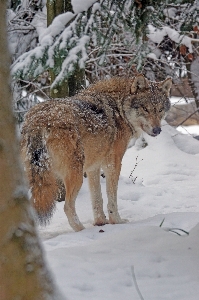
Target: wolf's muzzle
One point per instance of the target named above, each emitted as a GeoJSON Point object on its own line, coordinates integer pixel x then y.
{"type": "Point", "coordinates": [156, 130]}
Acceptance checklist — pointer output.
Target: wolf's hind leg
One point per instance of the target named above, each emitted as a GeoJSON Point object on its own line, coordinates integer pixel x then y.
{"type": "Point", "coordinates": [73, 182]}
{"type": "Point", "coordinates": [96, 197]}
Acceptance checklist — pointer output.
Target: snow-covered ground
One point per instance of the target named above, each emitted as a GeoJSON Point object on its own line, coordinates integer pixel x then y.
{"type": "Point", "coordinates": [190, 130]}
{"type": "Point", "coordinates": [161, 195]}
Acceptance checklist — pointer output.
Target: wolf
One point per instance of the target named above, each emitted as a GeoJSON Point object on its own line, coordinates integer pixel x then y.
{"type": "Point", "coordinates": [63, 138]}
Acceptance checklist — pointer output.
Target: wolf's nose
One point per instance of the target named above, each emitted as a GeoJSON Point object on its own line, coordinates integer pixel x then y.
{"type": "Point", "coordinates": [157, 130]}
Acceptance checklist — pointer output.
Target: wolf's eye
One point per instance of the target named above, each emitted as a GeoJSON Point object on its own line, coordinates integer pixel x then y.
{"type": "Point", "coordinates": [145, 109]}
{"type": "Point", "coordinates": [161, 109]}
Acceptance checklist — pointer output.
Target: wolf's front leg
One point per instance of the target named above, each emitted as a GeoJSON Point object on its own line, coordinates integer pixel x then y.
{"type": "Point", "coordinates": [112, 172]}
{"type": "Point", "coordinates": [96, 197]}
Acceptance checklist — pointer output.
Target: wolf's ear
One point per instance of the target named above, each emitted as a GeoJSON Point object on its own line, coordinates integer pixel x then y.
{"type": "Point", "coordinates": [166, 86]}
{"type": "Point", "coordinates": [138, 83]}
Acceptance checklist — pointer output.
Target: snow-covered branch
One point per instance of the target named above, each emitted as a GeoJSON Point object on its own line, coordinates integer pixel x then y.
{"type": "Point", "coordinates": [61, 45]}
{"type": "Point", "coordinates": [158, 35]}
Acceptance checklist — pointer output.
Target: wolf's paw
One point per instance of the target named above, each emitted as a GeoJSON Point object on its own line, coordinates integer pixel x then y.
{"type": "Point", "coordinates": [100, 221]}
{"type": "Point", "coordinates": [77, 227]}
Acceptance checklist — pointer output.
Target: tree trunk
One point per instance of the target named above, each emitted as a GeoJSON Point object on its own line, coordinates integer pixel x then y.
{"type": "Point", "coordinates": [77, 80]}
{"type": "Point", "coordinates": [54, 8]}
{"type": "Point", "coordinates": [23, 274]}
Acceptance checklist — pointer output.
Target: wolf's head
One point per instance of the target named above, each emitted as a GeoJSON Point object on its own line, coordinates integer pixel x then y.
{"type": "Point", "coordinates": [147, 104]}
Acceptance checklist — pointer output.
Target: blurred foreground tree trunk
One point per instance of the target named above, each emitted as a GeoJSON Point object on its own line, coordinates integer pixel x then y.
{"type": "Point", "coordinates": [23, 274]}
{"type": "Point", "coordinates": [76, 81]}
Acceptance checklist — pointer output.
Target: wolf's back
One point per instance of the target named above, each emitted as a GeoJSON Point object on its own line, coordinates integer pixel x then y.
{"type": "Point", "coordinates": [42, 182]}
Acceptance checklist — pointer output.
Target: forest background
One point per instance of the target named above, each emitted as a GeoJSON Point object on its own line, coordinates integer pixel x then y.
{"type": "Point", "coordinates": [60, 47]}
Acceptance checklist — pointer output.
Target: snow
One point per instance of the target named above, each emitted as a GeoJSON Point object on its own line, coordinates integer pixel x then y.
{"type": "Point", "coordinates": [157, 36]}
{"type": "Point", "coordinates": [170, 12]}
{"type": "Point", "coordinates": [181, 100]}
{"type": "Point", "coordinates": [192, 130]}
{"type": "Point", "coordinates": [152, 55]}
{"type": "Point", "coordinates": [97, 263]}
{"type": "Point", "coordinates": [57, 26]}
{"type": "Point", "coordinates": [79, 6]}
{"type": "Point", "coordinates": [39, 22]}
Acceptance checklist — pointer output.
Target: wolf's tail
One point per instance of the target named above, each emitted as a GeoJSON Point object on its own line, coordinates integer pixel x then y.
{"type": "Point", "coordinates": [42, 181]}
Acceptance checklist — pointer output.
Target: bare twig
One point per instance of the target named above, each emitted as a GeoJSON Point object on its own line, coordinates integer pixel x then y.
{"type": "Point", "coordinates": [37, 89]}
{"type": "Point", "coordinates": [188, 117]}
{"type": "Point", "coordinates": [131, 175]}
{"type": "Point", "coordinates": [135, 282]}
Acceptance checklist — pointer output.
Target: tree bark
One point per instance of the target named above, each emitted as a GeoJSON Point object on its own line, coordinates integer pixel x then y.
{"type": "Point", "coordinates": [23, 274]}
{"type": "Point", "coordinates": [77, 81]}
